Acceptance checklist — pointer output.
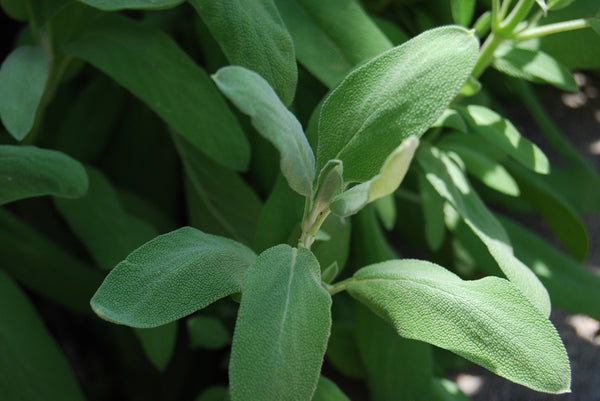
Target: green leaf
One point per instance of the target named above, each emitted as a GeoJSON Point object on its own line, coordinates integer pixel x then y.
{"type": "Point", "coordinates": [451, 119]}
{"type": "Point", "coordinates": [502, 133]}
{"type": "Point", "coordinates": [337, 248]}
{"type": "Point", "coordinates": [207, 332]}
{"type": "Point", "coordinates": [392, 97]}
{"type": "Point", "coordinates": [449, 181]}
{"type": "Point", "coordinates": [44, 267]}
{"type": "Point", "coordinates": [462, 11]}
{"type": "Point", "coordinates": [342, 351]}
{"type": "Point", "coordinates": [15, 9]}
{"type": "Point", "coordinates": [571, 285]}
{"type": "Point", "coordinates": [32, 366]}
{"type": "Point", "coordinates": [219, 200]}
{"type": "Point", "coordinates": [99, 220]}
{"type": "Point", "coordinates": [253, 96]}
{"type": "Point", "coordinates": [432, 205]}
{"type": "Point", "coordinates": [533, 65]}
{"type": "Point", "coordinates": [558, 4]}
{"type": "Point", "coordinates": [486, 321]}
{"type": "Point", "coordinates": [279, 217]}
{"type": "Point", "coordinates": [385, 183]}
{"type": "Point", "coordinates": [488, 171]}
{"type": "Point", "coordinates": [168, 81]}
{"type": "Point", "coordinates": [158, 344]}
{"type": "Point", "coordinates": [252, 34]}
{"type": "Point", "coordinates": [595, 24]}
{"type": "Point", "coordinates": [23, 78]}
{"type": "Point", "coordinates": [28, 171]}
{"type": "Point", "coordinates": [560, 216]}
{"type": "Point", "coordinates": [328, 391]}
{"type": "Point", "coordinates": [170, 277]}
{"type": "Point", "coordinates": [112, 5]}
{"type": "Point", "coordinates": [214, 393]}
{"type": "Point", "coordinates": [386, 211]}
{"type": "Point", "coordinates": [282, 328]}
{"type": "Point", "coordinates": [86, 145]}
{"type": "Point", "coordinates": [397, 368]}
{"type": "Point", "coordinates": [331, 37]}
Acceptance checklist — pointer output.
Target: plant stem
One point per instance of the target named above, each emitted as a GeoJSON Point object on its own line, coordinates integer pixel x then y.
{"type": "Point", "coordinates": [338, 287]}
{"type": "Point", "coordinates": [486, 54]}
{"type": "Point", "coordinates": [550, 29]}
{"type": "Point", "coordinates": [518, 14]}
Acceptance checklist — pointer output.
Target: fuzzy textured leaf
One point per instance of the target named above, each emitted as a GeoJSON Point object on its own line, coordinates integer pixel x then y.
{"type": "Point", "coordinates": [392, 97]}
{"type": "Point", "coordinates": [255, 97]}
{"type": "Point", "coordinates": [385, 183]}
{"type": "Point", "coordinates": [449, 181]}
{"type": "Point", "coordinates": [328, 391]}
{"type": "Point", "coordinates": [28, 171]}
{"type": "Point", "coordinates": [282, 328]}
{"type": "Point", "coordinates": [23, 77]}
{"type": "Point", "coordinates": [487, 321]}
{"type": "Point", "coordinates": [207, 332]}
{"type": "Point", "coordinates": [170, 277]}
{"type": "Point", "coordinates": [32, 366]}
{"type": "Point", "coordinates": [502, 133]}
{"type": "Point", "coordinates": [168, 81]}
{"type": "Point", "coordinates": [252, 34]}
{"type": "Point", "coordinates": [533, 65]}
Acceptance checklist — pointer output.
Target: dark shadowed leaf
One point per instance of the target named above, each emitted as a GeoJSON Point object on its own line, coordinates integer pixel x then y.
{"type": "Point", "coordinates": [28, 171]}
{"type": "Point", "coordinates": [168, 81]}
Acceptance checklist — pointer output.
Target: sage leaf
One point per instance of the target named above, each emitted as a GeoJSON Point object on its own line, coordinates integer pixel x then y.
{"type": "Point", "coordinates": [50, 271]}
{"type": "Point", "coordinates": [342, 350]}
{"type": "Point", "coordinates": [449, 181]}
{"type": "Point", "coordinates": [28, 171]}
{"type": "Point", "coordinates": [330, 50]}
{"type": "Point", "coordinates": [158, 344]}
{"type": "Point", "coordinates": [207, 332]}
{"type": "Point", "coordinates": [451, 119]}
{"type": "Point", "coordinates": [432, 205]}
{"type": "Point", "coordinates": [386, 211]}
{"type": "Point", "coordinates": [32, 365]}
{"type": "Point", "coordinates": [279, 218]}
{"type": "Point", "coordinates": [214, 393]}
{"type": "Point", "coordinates": [336, 250]}
{"type": "Point", "coordinates": [282, 328]}
{"type": "Point", "coordinates": [446, 390]}
{"type": "Point", "coordinates": [396, 95]}
{"type": "Point", "coordinates": [486, 321]}
{"type": "Point", "coordinates": [397, 368]}
{"type": "Point", "coordinates": [219, 200]}
{"type": "Point", "coordinates": [533, 65]}
{"type": "Point", "coordinates": [502, 133]}
{"type": "Point", "coordinates": [99, 220]}
{"type": "Point", "coordinates": [595, 24]}
{"type": "Point", "coordinates": [557, 212]}
{"type": "Point", "coordinates": [328, 391]}
{"type": "Point", "coordinates": [170, 277]}
{"type": "Point", "coordinates": [168, 81]}
{"type": "Point", "coordinates": [488, 171]}
{"type": "Point", "coordinates": [254, 97]}
{"type": "Point", "coordinates": [23, 78]}
{"type": "Point", "coordinates": [385, 183]}
{"type": "Point", "coordinates": [462, 11]}
{"type": "Point", "coordinates": [252, 34]}
{"type": "Point", "coordinates": [15, 9]}
{"type": "Point", "coordinates": [570, 284]}
{"type": "Point", "coordinates": [112, 5]}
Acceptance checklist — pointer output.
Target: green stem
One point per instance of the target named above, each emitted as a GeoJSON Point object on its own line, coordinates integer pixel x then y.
{"type": "Point", "coordinates": [486, 54]}
{"type": "Point", "coordinates": [338, 287]}
{"type": "Point", "coordinates": [504, 9]}
{"type": "Point", "coordinates": [550, 29]}
{"type": "Point", "coordinates": [518, 14]}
